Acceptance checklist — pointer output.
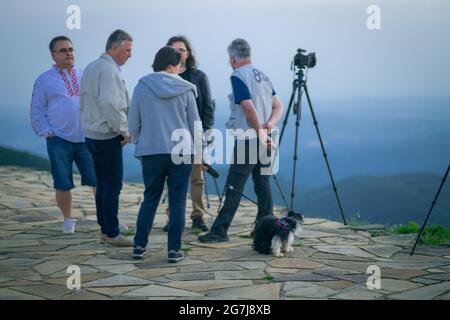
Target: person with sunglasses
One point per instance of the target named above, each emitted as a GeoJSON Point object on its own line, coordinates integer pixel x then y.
{"type": "Point", "coordinates": [55, 116]}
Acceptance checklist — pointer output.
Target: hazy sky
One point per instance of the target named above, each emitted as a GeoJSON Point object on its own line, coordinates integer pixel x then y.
{"type": "Point", "coordinates": [409, 56]}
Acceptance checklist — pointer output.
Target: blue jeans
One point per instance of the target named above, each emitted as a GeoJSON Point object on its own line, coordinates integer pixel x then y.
{"type": "Point", "coordinates": [107, 155]}
{"type": "Point", "coordinates": [62, 155]}
{"type": "Point", "coordinates": [155, 170]}
{"type": "Point", "coordinates": [237, 177]}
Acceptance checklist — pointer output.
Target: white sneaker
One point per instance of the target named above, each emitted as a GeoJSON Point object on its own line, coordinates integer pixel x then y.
{"type": "Point", "coordinates": [123, 227]}
{"type": "Point", "coordinates": [69, 226]}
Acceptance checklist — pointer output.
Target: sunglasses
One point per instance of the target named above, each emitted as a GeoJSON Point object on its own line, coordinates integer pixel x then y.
{"type": "Point", "coordinates": [65, 50]}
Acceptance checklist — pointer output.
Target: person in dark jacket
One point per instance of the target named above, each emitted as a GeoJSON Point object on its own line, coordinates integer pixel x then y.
{"type": "Point", "coordinates": [205, 105]}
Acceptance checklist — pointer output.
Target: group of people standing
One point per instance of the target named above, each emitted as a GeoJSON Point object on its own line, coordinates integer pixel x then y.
{"type": "Point", "coordinates": [87, 116]}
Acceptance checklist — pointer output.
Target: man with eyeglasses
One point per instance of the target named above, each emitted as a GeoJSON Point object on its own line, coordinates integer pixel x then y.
{"type": "Point", "coordinates": [55, 116]}
{"type": "Point", "coordinates": [205, 107]}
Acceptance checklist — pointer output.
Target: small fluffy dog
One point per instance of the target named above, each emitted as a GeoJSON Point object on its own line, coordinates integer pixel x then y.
{"type": "Point", "coordinates": [276, 235]}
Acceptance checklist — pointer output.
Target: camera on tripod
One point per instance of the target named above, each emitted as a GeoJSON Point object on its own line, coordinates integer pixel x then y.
{"type": "Point", "coordinates": [302, 61]}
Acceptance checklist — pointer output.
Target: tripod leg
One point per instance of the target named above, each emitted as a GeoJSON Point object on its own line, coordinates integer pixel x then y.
{"type": "Point", "coordinates": [208, 205]}
{"type": "Point", "coordinates": [431, 209]}
{"type": "Point", "coordinates": [298, 112]}
{"type": "Point", "coordinates": [291, 102]}
{"type": "Point", "coordinates": [217, 190]}
{"type": "Point", "coordinates": [316, 124]}
{"type": "Point", "coordinates": [281, 191]}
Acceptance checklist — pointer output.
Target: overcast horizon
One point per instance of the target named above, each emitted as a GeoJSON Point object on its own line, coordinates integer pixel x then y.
{"type": "Point", "coordinates": [408, 57]}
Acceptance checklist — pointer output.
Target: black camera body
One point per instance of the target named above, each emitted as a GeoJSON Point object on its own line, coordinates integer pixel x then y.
{"type": "Point", "coordinates": [302, 60]}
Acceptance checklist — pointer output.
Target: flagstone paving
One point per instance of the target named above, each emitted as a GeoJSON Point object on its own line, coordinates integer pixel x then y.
{"type": "Point", "coordinates": [330, 260]}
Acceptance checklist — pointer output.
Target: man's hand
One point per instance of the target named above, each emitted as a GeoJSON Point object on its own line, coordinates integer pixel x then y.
{"type": "Point", "coordinates": [265, 139]}
{"type": "Point", "coordinates": [126, 140]}
{"type": "Point", "coordinates": [268, 126]}
{"type": "Point", "coordinates": [50, 135]}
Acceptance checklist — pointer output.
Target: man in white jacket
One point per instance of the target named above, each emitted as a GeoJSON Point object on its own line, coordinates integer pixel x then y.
{"type": "Point", "coordinates": [104, 103]}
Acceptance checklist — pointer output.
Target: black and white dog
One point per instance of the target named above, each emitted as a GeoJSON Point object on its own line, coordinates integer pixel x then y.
{"type": "Point", "coordinates": [276, 235]}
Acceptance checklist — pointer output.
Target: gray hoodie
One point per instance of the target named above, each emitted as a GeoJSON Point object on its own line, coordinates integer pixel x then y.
{"type": "Point", "coordinates": [162, 103]}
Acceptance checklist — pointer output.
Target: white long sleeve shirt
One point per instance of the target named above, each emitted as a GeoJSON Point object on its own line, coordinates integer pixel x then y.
{"type": "Point", "coordinates": [55, 105]}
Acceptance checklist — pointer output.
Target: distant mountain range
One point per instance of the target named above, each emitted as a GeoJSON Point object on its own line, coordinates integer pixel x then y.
{"type": "Point", "coordinates": [362, 136]}
{"type": "Point", "coordinates": [386, 200]}
{"type": "Point", "coordinates": [387, 156]}
{"type": "Point", "coordinates": [10, 157]}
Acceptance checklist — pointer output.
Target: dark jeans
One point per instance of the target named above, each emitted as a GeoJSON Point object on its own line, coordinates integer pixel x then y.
{"type": "Point", "coordinates": [237, 177]}
{"type": "Point", "coordinates": [107, 155]}
{"type": "Point", "coordinates": [155, 170]}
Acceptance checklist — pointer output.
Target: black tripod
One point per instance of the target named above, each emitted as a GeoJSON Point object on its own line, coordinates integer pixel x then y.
{"type": "Point", "coordinates": [431, 209]}
{"type": "Point", "coordinates": [298, 87]}
{"type": "Point", "coordinates": [217, 191]}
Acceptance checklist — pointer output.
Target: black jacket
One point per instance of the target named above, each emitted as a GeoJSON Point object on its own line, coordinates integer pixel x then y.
{"type": "Point", "coordinates": [205, 103]}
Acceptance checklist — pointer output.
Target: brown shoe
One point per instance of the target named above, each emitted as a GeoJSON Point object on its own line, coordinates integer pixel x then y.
{"type": "Point", "coordinates": [122, 242]}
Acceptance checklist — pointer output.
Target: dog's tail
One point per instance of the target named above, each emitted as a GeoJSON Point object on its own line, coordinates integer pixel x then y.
{"type": "Point", "coordinates": [262, 244]}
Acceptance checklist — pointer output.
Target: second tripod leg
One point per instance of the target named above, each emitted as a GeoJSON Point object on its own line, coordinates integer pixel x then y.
{"type": "Point", "coordinates": [316, 124]}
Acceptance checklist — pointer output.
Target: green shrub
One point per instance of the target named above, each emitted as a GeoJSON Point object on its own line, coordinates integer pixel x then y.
{"type": "Point", "coordinates": [432, 235]}
{"type": "Point", "coordinates": [435, 235]}
{"type": "Point", "coordinates": [410, 227]}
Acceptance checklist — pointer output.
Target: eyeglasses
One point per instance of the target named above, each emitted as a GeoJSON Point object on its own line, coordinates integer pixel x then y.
{"type": "Point", "coordinates": [181, 50]}
{"type": "Point", "coordinates": [65, 50]}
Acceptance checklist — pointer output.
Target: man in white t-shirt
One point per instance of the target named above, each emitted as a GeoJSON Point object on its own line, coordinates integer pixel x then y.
{"type": "Point", "coordinates": [255, 106]}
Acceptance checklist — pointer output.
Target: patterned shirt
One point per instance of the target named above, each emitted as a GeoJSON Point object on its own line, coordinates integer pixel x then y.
{"type": "Point", "coordinates": [55, 106]}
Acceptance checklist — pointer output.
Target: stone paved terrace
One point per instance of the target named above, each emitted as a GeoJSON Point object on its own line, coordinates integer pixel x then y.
{"type": "Point", "coordinates": [329, 262]}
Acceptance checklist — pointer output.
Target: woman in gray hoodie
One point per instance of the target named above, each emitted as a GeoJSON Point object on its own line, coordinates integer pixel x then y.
{"type": "Point", "coordinates": [162, 103]}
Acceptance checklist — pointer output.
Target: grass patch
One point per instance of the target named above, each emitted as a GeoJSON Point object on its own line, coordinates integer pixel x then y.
{"type": "Point", "coordinates": [268, 278]}
{"type": "Point", "coordinates": [245, 236]}
{"type": "Point", "coordinates": [435, 235]}
{"type": "Point", "coordinates": [186, 250]}
{"type": "Point", "coordinates": [410, 227]}
{"type": "Point", "coordinates": [432, 235]}
{"type": "Point", "coordinates": [128, 233]}
{"type": "Point", "coordinates": [196, 231]}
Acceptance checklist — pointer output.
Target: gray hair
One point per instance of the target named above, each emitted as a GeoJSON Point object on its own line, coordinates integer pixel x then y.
{"type": "Point", "coordinates": [240, 49]}
{"type": "Point", "coordinates": [117, 37]}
